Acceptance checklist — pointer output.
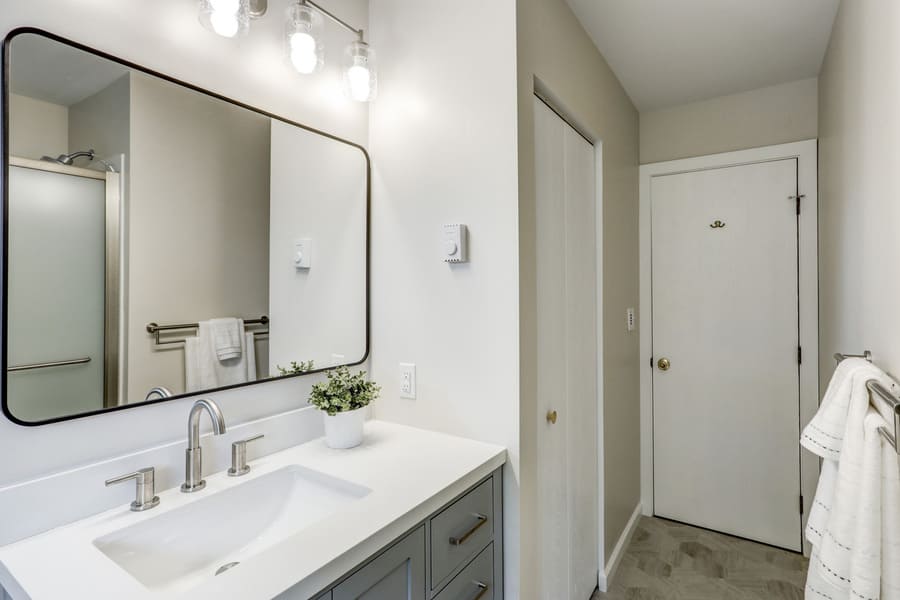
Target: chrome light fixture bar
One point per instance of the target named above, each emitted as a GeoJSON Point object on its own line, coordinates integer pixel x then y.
{"type": "Point", "coordinates": [359, 32]}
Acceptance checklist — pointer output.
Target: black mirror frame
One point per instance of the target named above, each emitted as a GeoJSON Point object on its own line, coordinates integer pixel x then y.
{"type": "Point", "coordinates": [5, 231]}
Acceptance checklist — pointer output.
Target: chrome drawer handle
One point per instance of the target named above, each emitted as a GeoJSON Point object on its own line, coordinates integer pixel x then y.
{"type": "Point", "coordinates": [482, 590]}
{"type": "Point", "coordinates": [459, 541]}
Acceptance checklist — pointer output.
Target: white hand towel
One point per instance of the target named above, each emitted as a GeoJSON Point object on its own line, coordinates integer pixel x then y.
{"type": "Point", "coordinates": [853, 525]}
{"type": "Point", "coordinates": [203, 369]}
{"type": "Point", "coordinates": [228, 336]}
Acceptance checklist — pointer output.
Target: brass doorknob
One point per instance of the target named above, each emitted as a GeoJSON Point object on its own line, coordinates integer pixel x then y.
{"type": "Point", "coordinates": [663, 364]}
{"type": "Point", "coordinates": [551, 417]}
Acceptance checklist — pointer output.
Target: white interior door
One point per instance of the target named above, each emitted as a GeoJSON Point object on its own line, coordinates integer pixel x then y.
{"type": "Point", "coordinates": [725, 315]}
{"type": "Point", "coordinates": [567, 354]}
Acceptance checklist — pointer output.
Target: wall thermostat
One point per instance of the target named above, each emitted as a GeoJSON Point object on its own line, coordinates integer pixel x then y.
{"type": "Point", "coordinates": [454, 243]}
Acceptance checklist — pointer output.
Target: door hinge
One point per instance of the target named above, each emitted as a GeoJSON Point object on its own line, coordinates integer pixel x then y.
{"type": "Point", "coordinates": [799, 355]}
{"type": "Point", "coordinates": [798, 198]}
{"type": "Point", "coordinates": [801, 504]}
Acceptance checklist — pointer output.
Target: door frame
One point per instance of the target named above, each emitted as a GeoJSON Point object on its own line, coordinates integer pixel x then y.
{"type": "Point", "coordinates": [806, 153]}
{"type": "Point", "coordinates": [112, 304]}
{"type": "Point", "coordinates": [543, 93]}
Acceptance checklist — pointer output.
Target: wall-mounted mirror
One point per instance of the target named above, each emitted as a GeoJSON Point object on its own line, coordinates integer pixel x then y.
{"type": "Point", "coordinates": [161, 240]}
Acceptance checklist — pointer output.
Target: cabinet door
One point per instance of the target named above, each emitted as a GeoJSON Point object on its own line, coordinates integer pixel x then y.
{"type": "Point", "coordinates": [396, 574]}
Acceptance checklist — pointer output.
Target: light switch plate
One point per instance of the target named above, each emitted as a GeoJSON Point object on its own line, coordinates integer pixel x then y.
{"type": "Point", "coordinates": [303, 253]}
{"type": "Point", "coordinates": [408, 380]}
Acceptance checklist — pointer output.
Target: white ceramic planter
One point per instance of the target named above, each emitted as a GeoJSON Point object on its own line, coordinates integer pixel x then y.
{"type": "Point", "coordinates": [344, 430]}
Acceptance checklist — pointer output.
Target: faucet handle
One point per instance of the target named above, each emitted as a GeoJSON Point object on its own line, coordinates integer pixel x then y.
{"type": "Point", "coordinates": [239, 464]}
{"type": "Point", "coordinates": [145, 496]}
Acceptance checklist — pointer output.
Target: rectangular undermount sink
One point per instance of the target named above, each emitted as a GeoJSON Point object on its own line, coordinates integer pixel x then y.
{"type": "Point", "coordinates": [185, 546]}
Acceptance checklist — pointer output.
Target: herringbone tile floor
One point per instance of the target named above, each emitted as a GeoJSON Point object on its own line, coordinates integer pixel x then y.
{"type": "Point", "coordinates": [671, 561]}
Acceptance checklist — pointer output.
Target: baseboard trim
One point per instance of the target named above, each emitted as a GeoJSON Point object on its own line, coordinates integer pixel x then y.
{"type": "Point", "coordinates": [619, 550]}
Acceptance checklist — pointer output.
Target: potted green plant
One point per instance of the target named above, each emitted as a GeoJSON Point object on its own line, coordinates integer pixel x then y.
{"type": "Point", "coordinates": [342, 398]}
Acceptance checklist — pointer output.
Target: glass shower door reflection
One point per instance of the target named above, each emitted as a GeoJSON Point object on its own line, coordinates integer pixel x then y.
{"type": "Point", "coordinates": [56, 293]}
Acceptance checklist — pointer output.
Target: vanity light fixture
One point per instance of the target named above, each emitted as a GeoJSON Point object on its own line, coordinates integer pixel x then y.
{"type": "Point", "coordinates": [304, 48]}
{"type": "Point", "coordinates": [303, 38]}
{"type": "Point", "coordinates": [303, 44]}
{"type": "Point", "coordinates": [230, 18]}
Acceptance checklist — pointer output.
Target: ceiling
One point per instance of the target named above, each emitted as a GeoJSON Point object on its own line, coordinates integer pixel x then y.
{"type": "Point", "coordinates": [57, 73]}
{"type": "Point", "coordinates": [671, 52]}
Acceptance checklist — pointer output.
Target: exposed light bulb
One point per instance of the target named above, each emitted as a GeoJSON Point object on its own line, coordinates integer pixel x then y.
{"type": "Point", "coordinates": [359, 82]}
{"type": "Point", "coordinates": [360, 74]}
{"type": "Point", "coordinates": [304, 56]}
{"type": "Point", "coordinates": [225, 24]}
{"type": "Point", "coordinates": [227, 18]}
{"type": "Point", "coordinates": [303, 35]}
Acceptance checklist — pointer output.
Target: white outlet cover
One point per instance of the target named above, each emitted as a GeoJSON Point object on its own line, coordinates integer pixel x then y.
{"type": "Point", "coordinates": [408, 380]}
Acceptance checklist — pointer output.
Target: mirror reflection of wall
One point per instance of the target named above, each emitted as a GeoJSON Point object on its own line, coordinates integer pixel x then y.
{"type": "Point", "coordinates": [135, 200]}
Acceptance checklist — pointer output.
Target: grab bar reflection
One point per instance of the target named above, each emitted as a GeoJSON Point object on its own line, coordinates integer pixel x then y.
{"type": "Point", "coordinates": [47, 365]}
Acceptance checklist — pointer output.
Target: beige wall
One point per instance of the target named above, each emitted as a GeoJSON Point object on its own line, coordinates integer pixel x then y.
{"type": "Point", "coordinates": [198, 221]}
{"type": "Point", "coordinates": [554, 48]}
{"type": "Point", "coordinates": [764, 117]}
{"type": "Point", "coordinates": [37, 128]}
{"type": "Point", "coordinates": [859, 211]}
{"type": "Point", "coordinates": [101, 122]}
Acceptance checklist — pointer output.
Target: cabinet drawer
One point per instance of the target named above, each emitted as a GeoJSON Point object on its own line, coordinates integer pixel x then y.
{"type": "Point", "coordinates": [461, 531]}
{"type": "Point", "coordinates": [475, 582]}
{"type": "Point", "coordinates": [398, 572]}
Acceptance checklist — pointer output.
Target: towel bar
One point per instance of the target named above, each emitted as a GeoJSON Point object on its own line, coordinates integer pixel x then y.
{"type": "Point", "coordinates": [46, 365]}
{"type": "Point", "coordinates": [155, 329]}
{"type": "Point", "coordinates": [876, 389]}
{"type": "Point", "coordinates": [893, 402]}
{"type": "Point", "coordinates": [838, 357]}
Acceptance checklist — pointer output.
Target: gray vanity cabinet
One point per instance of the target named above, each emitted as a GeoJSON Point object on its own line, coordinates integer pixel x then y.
{"type": "Point", "coordinates": [455, 554]}
{"type": "Point", "coordinates": [397, 574]}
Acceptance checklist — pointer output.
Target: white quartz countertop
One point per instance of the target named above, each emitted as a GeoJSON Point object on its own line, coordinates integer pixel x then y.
{"type": "Point", "coordinates": [411, 473]}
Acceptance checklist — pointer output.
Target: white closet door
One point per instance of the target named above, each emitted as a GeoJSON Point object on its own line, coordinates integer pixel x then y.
{"type": "Point", "coordinates": [725, 314]}
{"type": "Point", "coordinates": [565, 181]}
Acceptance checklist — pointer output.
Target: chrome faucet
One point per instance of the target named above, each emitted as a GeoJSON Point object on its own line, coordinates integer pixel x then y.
{"type": "Point", "coordinates": [193, 458]}
{"type": "Point", "coordinates": [159, 391]}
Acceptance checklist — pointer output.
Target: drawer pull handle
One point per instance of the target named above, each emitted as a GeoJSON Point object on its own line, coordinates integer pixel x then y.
{"type": "Point", "coordinates": [459, 541]}
{"type": "Point", "coordinates": [482, 590]}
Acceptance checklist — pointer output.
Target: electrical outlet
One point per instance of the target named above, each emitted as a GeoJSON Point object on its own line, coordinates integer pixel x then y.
{"type": "Point", "coordinates": [407, 380]}
{"type": "Point", "coordinates": [629, 319]}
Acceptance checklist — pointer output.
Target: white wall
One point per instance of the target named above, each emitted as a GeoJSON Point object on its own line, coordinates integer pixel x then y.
{"type": "Point", "coordinates": [167, 38]}
{"type": "Point", "coordinates": [39, 129]}
{"type": "Point", "coordinates": [859, 223]}
{"type": "Point", "coordinates": [443, 144]}
{"type": "Point", "coordinates": [198, 223]}
{"type": "Point", "coordinates": [764, 117]}
{"type": "Point", "coordinates": [318, 192]}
